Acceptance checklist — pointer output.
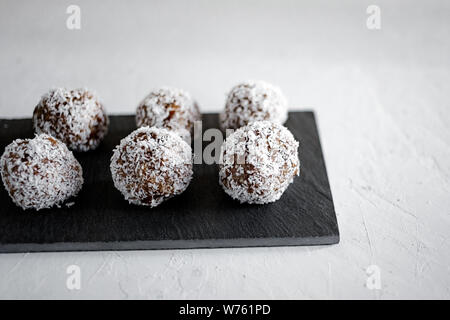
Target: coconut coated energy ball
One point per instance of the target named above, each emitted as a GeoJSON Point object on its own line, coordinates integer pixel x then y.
{"type": "Point", "coordinates": [169, 108]}
{"type": "Point", "coordinates": [76, 117]}
{"type": "Point", "coordinates": [252, 101]}
{"type": "Point", "coordinates": [258, 162]}
{"type": "Point", "coordinates": [151, 165]}
{"type": "Point", "coordinates": [40, 173]}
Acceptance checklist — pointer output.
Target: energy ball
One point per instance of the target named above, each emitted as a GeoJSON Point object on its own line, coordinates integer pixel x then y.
{"type": "Point", "coordinates": [253, 101]}
{"type": "Point", "coordinates": [258, 162]}
{"type": "Point", "coordinates": [169, 108]}
{"type": "Point", "coordinates": [40, 173]}
{"type": "Point", "coordinates": [75, 117]}
{"type": "Point", "coordinates": [151, 165]}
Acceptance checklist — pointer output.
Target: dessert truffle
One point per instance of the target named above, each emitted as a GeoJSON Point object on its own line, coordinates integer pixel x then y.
{"type": "Point", "coordinates": [40, 173]}
{"type": "Point", "coordinates": [258, 162]}
{"type": "Point", "coordinates": [151, 165]}
{"type": "Point", "coordinates": [76, 117]}
{"type": "Point", "coordinates": [169, 108]}
{"type": "Point", "coordinates": [253, 101]}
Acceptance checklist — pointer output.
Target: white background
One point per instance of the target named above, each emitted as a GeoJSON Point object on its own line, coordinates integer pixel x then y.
{"type": "Point", "coordinates": [382, 102]}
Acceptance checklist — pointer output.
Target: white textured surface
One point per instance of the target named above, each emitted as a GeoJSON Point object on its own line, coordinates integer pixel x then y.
{"type": "Point", "coordinates": [382, 102]}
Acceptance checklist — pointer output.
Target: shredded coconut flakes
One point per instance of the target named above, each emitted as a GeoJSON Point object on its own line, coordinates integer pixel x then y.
{"type": "Point", "coordinates": [170, 108]}
{"type": "Point", "coordinates": [40, 173]}
{"type": "Point", "coordinates": [76, 117]}
{"type": "Point", "coordinates": [258, 162]}
{"type": "Point", "coordinates": [151, 165]}
{"type": "Point", "coordinates": [253, 101]}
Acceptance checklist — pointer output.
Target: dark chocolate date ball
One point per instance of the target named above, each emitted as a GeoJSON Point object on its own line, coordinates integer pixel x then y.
{"type": "Point", "coordinates": [151, 165]}
{"type": "Point", "coordinates": [252, 101]}
{"type": "Point", "coordinates": [258, 162]}
{"type": "Point", "coordinates": [40, 173]}
{"type": "Point", "coordinates": [169, 108]}
{"type": "Point", "coordinates": [76, 117]}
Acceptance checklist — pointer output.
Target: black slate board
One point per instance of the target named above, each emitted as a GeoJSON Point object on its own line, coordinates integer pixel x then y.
{"type": "Point", "coordinates": [202, 217]}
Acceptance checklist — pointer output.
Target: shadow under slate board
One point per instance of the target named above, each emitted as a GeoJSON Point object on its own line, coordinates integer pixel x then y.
{"type": "Point", "coordinates": [202, 217]}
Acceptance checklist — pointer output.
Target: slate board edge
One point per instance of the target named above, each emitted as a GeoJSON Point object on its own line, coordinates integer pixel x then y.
{"type": "Point", "coordinates": [166, 244]}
